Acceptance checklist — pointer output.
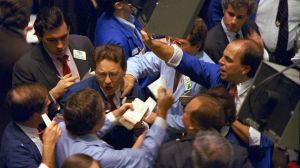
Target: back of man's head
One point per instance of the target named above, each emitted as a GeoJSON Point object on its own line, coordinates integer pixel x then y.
{"type": "Point", "coordinates": [250, 5]}
{"type": "Point", "coordinates": [24, 100]}
{"type": "Point", "coordinates": [108, 6]}
{"type": "Point", "coordinates": [83, 111]}
{"type": "Point", "coordinates": [252, 56]}
{"type": "Point", "coordinates": [80, 160]}
{"type": "Point", "coordinates": [48, 19]}
{"type": "Point", "coordinates": [207, 114]}
{"type": "Point", "coordinates": [198, 33]}
{"type": "Point", "coordinates": [112, 53]}
{"type": "Point", "coordinates": [211, 150]}
{"type": "Point", "coordinates": [225, 100]}
{"type": "Point", "coordinates": [14, 13]}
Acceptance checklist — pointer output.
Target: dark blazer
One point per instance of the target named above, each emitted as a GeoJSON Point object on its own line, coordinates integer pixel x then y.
{"type": "Point", "coordinates": [179, 154]}
{"type": "Point", "coordinates": [12, 46]}
{"type": "Point", "coordinates": [119, 137]}
{"type": "Point", "coordinates": [37, 66]}
{"type": "Point", "coordinates": [216, 41]}
{"type": "Point", "coordinates": [17, 149]}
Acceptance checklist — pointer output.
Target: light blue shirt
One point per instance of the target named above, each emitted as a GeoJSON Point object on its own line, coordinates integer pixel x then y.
{"type": "Point", "coordinates": [108, 157]}
{"type": "Point", "coordinates": [149, 64]}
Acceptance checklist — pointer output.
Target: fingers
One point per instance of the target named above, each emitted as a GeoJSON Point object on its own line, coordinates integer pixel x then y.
{"type": "Point", "coordinates": [129, 81]}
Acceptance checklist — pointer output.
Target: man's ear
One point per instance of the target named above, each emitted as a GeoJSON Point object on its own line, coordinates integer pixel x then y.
{"type": "Point", "coordinates": [118, 5]}
{"type": "Point", "coordinates": [246, 69]}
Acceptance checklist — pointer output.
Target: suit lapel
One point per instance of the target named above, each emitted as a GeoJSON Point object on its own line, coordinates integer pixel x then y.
{"type": "Point", "coordinates": [46, 66]}
{"type": "Point", "coordinates": [19, 134]}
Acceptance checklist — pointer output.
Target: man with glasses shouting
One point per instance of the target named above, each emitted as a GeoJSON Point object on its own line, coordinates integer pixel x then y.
{"type": "Point", "coordinates": [108, 81]}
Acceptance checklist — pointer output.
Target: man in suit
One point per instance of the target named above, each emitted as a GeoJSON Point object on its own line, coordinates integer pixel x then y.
{"type": "Point", "coordinates": [237, 67]}
{"type": "Point", "coordinates": [118, 26]}
{"type": "Point", "coordinates": [84, 119]}
{"type": "Point", "coordinates": [205, 112]}
{"type": "Point", "coordinates": [21, 145]}
{"type": "Point", "coordinates": [150, 65]}
{"type": "Point", "coordinates": [108, 81]}
{"type": "Point", "coordinates": [236, 15]}
{"type": "Point", "coordinates": [14, 19]}
{"type": "Point", "coordinates": [59, 59]}
{"type": "Point", "coordinates": [211, 150]}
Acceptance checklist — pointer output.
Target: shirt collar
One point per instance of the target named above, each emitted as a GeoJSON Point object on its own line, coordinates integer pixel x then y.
{"type": "Point", "coordinates": [54, 57]}
{"type": "Point", "coordinates": [30, 132]}
{"type": "Point", "coordinates": [244, 86]}
{"type": "Point", "coordinates": [128, 24]}
{"type": "Point", "coordinates": [230, 35]}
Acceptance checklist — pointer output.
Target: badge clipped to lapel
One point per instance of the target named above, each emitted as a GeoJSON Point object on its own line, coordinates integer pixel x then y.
{"type": "Point", "coordinates": [79, 54]}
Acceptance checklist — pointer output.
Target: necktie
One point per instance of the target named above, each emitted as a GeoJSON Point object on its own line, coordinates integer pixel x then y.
{"type": "Point", "coordinates": [283, 35]}
{"type": "Point", "coordinates": [233, 91]}
{"type": "Point", "coordinates": [112, 105]}
{"type": "Point", "coordinates": [64, 62]}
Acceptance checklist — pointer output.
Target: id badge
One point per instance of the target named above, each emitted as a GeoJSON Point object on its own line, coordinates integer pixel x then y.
{"type": "Point", "coordinates": [187, 84]}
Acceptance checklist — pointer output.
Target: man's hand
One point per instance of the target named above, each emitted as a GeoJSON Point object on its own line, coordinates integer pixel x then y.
{"type": "Point", "coordinates": [120, 111]}
{"type": "Point", "coordinates": [50, 138]}
{"type": "Point", "coordinates": [161, 50]}
{"type": "Point", "coordinates": [63, 85]}
{"type": "Point", "coordinates": [164, 102]}
{"type": "Point", "coordinates": [51, 134]}
{"type": "Point", "coordinates": [128, 85]}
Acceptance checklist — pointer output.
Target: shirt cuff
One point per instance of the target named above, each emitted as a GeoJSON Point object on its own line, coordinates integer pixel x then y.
{"type": "Point", "coordinates": [160, 122]}
{"type": "Point", "coordinates": [176, 57]}
{"type": "Point", "coordinates": [254, 138]}
{"type": "Point", "coordinates": [266, 55]}
{"type": "Point", "coordinates": [42, 165]}
{"type": "Point", "coordinates": [110, 116]}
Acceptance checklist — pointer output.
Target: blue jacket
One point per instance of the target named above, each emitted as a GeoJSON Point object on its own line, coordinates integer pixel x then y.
{"type": "Point", "coordinates": [119, 137]}
{"type": "Point", "coordinates": [17, 149]}
{"type": "Point", "coordinates": [109, 30]}
{"type": "Point", "coordinates": [208, 75]}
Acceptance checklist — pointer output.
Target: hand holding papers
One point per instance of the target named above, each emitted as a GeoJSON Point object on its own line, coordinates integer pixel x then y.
{"type": "Point", "coordinates": [141, 110]}
{"type": "Point", "coordinates": [153, 87]}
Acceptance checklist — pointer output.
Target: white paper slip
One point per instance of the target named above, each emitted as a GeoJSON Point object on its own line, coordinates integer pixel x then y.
{"type": "Point", "coordinates": [46, 119]}
{"type": "Point", "coordinates": [151, 105]}
{"type": "Point", "coordinates": [30, 36]}
{"type": "Point", "coordinates": [153, 87]}
{"type": "Point", "coordinates": [131, 117]}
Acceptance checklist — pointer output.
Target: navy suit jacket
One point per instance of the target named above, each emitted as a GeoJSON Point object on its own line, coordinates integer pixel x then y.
{"type": "Point", "coordinates": [17, 149]}
{"type": "Point", "coordinates": [37, 66]}
{"type": "Point", "coordinates": [119, 137]}
{"type": "Point", "coordinates": [110, 31]}
{"type": "Point", "coordinates": [216, 41]}
{"type": "Point", "coordinates": [179, 154]}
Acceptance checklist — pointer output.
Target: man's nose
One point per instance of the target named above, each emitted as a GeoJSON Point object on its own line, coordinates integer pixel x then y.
{"type": "Point", "coordinates": [107, 79]}
{"type": "Point", "coordinates": [59, 44]}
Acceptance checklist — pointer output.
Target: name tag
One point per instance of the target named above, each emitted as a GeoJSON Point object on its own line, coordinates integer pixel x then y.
{"type": "Point", "coordinates": [79, 54]}
{"type": "Point", "coordinates": [187, 84]}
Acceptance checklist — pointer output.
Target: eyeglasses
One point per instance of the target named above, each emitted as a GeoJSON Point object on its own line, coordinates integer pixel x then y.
{"type": "Point", "coordinates": [103, 75]}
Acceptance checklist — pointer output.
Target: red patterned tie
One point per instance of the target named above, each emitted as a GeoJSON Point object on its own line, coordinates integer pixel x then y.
{"type": "Point", "coordinates": [233, 91]}
{"type": "Point", "coordinates": [64, 62]}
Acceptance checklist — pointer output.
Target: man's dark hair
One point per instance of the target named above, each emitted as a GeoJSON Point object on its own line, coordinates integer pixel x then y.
{"type": "Point", "coordinates": [250, 5]}
{"type": "Point", "coordinates": [108, 5]}
{"type": "Point", "coordinates": [26, 99]}
{"type": "Point", "coordinates": [198, 33]}
{"type": "Point", "coordinates": [110, 52]}
{"type": "Point", "coordinates": [48, 19]}
{"type": "Point", "coordinates": [83, 110]}
{"type": "Point", "coordinates": [253, 55]}
{"type": "Point", "coordinates": [225, 100]}
{"type": "Point", "coordinates": [209, 115]}
{"type": "Point", "coordinates": [211, 150]}
{"type": "Point", "coordinates": [14, 13]}
{"type": "Point", "coordinates": [78, 160]}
